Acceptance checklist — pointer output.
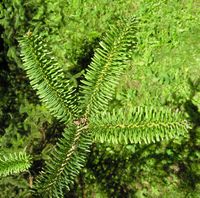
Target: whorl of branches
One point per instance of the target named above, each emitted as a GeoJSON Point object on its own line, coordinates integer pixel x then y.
{"type": "Point", "coordinates": [90, 119]}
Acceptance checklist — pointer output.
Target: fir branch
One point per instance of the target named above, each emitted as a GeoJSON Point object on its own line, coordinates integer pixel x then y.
{"type": "Point", "coordinates": [47, 77]}
{"type": "Point", "coordinates": [107, 66]}
{"type": "Point", "coordinates": [137, 125]}
{"type": "Point", "coordinates": [65, 162]}
{"type": "Point", "coordinates": [14, 163]}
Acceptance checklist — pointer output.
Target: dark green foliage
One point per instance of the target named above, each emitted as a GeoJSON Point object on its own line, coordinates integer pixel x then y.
{"type": "Point", "coordinates": [65, 162]}
{"type": "Point", "coordinates": [15, 186]}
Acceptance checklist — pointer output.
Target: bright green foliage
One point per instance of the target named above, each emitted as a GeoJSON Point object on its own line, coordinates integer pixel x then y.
{"type": "Point", "coordinates": [138, 125]}
{"type": "Point", "coordinates": [167, 54]}
{"type": "Point", "coordinates": [47, 77]}
{"type": "Point", "coordinates": [107, 66]}
{"type": "Point", "coordinates": [13, 163]}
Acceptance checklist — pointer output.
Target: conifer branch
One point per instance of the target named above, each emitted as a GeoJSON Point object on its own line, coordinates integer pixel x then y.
{"type": "Point", "coordinates": [14, 163]}
{"type": "Point", "coordinates": [106, 68]}
{"type": "Point", "coordinates": [65, 162]}
{"type": "Point", "coordinates": [47, 77]}
{"type": "Point", "coordinates": [137, 125]}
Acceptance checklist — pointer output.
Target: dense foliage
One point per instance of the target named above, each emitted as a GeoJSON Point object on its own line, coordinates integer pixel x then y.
{"type": "Point", "coordinates": [162, 71]}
